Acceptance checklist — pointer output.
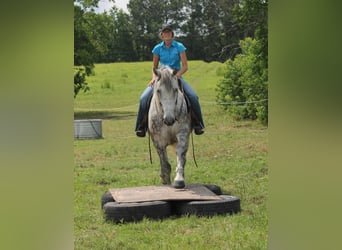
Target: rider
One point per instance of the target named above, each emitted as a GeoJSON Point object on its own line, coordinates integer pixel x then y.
{"type": "Point", "coordinates": [169, 53]}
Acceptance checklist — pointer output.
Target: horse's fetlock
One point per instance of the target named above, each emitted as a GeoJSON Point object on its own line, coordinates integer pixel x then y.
{"type": "Point", "coordinates": [165, 180]}
{"type": "Point", "coordinates": [180, 170]}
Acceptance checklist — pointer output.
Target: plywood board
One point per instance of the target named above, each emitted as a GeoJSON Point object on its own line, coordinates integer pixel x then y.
{"type": "Point", "coordinates": [162, 193]}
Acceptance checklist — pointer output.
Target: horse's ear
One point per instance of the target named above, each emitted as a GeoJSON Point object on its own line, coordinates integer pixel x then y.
{"type": "Point", "coordinates": [156, 72]}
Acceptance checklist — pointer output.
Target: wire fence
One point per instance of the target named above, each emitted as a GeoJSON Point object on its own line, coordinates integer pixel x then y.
{"type": "Point", "coordinates": [125, 137]}
{"type": "Point", "coordinates": [202, 101]}
{"type": "Point", "coordinates": [234, 103]}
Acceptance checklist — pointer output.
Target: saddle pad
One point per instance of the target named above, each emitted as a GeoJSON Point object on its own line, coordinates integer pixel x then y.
{"type": "Point", "coordinates": [162, 193]}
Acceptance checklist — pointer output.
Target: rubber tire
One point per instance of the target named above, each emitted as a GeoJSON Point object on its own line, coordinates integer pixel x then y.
{"type": "Point", "coordinates": [228, 205]}
{"type": "Point", "coordinates": [106, 197]}
{"type": "Point", "coordinates": [136, 211]}
{"type": "Point", "coordinates": [214, 188]}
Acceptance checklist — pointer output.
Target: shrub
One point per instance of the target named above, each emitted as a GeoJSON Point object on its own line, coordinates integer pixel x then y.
{"type": "Point", "coordinates": [80, 83]}
{"type": "Point", "coordinates": [243, 91]}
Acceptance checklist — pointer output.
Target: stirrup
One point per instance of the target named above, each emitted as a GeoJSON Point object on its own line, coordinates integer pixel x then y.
{"type": "Point", "coordinates": [199, 131]}
{"type": "Point", "coordinates": [140, 133]}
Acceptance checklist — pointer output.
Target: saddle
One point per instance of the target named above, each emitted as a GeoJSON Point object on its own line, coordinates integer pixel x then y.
{"type": "Point", "coordinates": [194, 116]}
{"type": "Point", "coordinates": [188, 105]}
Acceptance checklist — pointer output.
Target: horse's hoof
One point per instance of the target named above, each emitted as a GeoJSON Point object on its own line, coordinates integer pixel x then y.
{"type": "Point", "coordinates": [178, 184]}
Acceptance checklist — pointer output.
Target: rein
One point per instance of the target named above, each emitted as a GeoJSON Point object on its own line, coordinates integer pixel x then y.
{"type": "Point", "coordinates": [193, 149]}
{"type": "Point", "coordinates": [192, 144]}
{"type": "Point", "coordinates": [149, 147]}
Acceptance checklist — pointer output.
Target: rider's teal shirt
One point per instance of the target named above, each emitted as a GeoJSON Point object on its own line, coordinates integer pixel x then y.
{"type": "Point", "coordinates": [169, 56]}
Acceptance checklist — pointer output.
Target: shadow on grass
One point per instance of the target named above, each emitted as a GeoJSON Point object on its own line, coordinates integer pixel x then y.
{"type": "Point", "coordinates": [105, 115]}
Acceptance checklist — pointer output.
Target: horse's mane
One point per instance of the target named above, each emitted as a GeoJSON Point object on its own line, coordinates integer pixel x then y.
{"type": "Point", "coordinates": [165, 77]}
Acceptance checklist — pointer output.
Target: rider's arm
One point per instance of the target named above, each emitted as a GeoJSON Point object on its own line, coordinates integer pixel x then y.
{"type": "Point", "coordinates": [184, 65]}
{"type": "Point", "coordinates": [155, 65]}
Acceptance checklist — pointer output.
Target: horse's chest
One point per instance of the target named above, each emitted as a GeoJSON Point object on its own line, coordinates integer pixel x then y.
{"type": "Point", "coordinates": [156, 123]}
{"type": "Point", "coordinates": [159, 129]}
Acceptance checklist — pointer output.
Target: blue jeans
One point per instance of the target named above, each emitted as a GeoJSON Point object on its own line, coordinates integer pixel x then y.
{"type": "Point", "coordinates": [145, 99]}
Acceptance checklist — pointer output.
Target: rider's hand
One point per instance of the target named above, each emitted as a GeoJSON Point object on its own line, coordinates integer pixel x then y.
{"type": "Point", "coordinates": [151, 82]}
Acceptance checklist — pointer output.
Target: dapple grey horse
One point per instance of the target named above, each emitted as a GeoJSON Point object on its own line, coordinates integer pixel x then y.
{"type": "Point", "coordinates": [169, 123]}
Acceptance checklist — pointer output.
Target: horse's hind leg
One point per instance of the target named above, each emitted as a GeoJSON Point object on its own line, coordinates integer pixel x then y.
{"type": "Point", "coordinates": [182, 148]}
{"type": "Point", "coordinates": [165, 167]}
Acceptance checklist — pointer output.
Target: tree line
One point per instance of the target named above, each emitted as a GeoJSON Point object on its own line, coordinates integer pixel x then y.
{"type": "Point", "coordinates": [211, 30]}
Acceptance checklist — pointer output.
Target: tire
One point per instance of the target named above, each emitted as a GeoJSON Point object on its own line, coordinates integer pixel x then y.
{"type": "Point", "coordinates": [135, 211]}
{"type": "Point", "coordinates": [228, 205]}
{"type": "Point", "coordinates": [106, 197]}
{"type": "Point", "coordinates": [214, 188]}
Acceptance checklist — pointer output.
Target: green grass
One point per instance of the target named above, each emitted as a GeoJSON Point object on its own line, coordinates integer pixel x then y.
{"type": "Point", "coordinates": [231, 154]}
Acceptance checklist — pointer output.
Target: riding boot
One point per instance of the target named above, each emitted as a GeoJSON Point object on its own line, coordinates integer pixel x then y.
{"type": "Point", "coordinates": [142, 118]}
{"type": "Point", "coordinates": [196, 117]}
{"type": "Point", "coordinates": [142, 127]}
{"type": "Point", "coordinates": [197, 123]}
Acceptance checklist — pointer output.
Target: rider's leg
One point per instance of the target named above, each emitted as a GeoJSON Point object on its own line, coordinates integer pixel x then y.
{"type": "Point", "coordinates": [196, 113]}
{"type": "Point", "coordinates": [141, 123]}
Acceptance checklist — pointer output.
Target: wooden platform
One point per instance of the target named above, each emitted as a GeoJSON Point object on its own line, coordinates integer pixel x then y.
{"type": "Point", "coordinates": [191, 192]}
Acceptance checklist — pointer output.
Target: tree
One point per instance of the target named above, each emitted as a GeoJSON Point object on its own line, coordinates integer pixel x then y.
{"type": "Point", "coordinates": [122, 45]}
{"type": "Point", "coordinates": [90, 41]}
{"type": "Point", "coordinates": [148, 16]}
{"type": "Point", "coordinates": [83, 52]}
{"type": "Point", "coordinates": [215, 38]}
{"type": "Point", "coordinates": [210, 31]}
{"type": "Point", "coordinates": [252, 19]}
{"type": "Point", "coordinates": [244, 88]}
{"type": "Point", "coordinates": [193, 37]}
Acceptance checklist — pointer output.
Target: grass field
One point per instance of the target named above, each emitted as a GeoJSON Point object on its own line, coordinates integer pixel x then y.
{"type": "Point", "coordinates": [231, 154]}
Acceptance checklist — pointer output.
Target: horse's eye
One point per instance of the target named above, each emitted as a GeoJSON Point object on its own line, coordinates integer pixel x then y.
{"type": "Point", "coordinates": [158, 92]}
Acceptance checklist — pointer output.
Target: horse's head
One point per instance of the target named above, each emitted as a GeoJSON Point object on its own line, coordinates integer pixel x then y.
{"type": "Point", "coordinates": [166, 89]}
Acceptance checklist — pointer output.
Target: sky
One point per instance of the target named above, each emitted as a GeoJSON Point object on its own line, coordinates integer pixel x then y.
{"type": "Point", "coordinates": [105, 5]}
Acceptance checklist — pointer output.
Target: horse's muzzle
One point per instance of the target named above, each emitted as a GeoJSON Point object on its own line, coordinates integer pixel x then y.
{"type": "Point", "coordinates": [169, 121]}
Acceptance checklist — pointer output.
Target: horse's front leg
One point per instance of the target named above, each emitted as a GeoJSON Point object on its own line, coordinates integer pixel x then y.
{"type": "Point", "coordinates": [165, 167]}
{"type": "Point", "coordinates": [181, 150]}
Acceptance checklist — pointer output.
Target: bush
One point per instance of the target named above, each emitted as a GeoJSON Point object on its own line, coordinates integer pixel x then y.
{"type": "Point", "coordinates": [80, 83]}
{"type": "Point", "coordinates": [244, 89]}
